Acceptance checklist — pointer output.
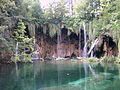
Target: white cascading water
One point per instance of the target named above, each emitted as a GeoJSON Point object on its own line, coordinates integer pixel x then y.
{"type": "Point", "coordinates": [16, 54]}
{"type": "Point", "coordinates": [85, 41]}
{"type": "Point", "coordinates": [58, 44]}
{"type": "Point", "coordinates": [16, 50]}
{"type": "Point", "coordinates": [85, 54]}
{"type": "Point", "coordinates": [92, 46]}
{"type": "Point", "coordinates": [79, 42]}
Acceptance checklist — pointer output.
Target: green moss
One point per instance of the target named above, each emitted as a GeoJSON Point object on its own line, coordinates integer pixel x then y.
{"type": "Point", "coordinates": [92, 59]}
{"type": "Point", "coordinates": [107, 59]}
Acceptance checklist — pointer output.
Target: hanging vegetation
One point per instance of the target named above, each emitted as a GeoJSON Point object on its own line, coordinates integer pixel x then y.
{"type": "Point", "coordinates": [100, 16]}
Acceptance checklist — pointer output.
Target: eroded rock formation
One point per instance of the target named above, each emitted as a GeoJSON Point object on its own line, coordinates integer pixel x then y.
{"type": "Point", "coordinates": [68, 45]}
{"type": "Point", "coordinates": [61, 45]}
{"type": "Point", "coordinates": [105, 47]}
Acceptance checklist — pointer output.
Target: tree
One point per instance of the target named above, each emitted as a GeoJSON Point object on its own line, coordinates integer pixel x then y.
{"type": "Point", "coordinates": [7, 8]}
{"type": "Point", "coordinates": [24, 45]}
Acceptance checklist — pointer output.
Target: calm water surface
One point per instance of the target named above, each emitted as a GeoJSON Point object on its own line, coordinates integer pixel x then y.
{"type": "Point", "coordinates": [60, 75]}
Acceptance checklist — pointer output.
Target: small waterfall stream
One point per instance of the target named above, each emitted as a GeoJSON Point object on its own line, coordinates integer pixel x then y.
{"type": "Point", "coordinates": [85, 41]}
{"type": "Point", "coordinates": [80, 42]}
{"type": "Point", "coordinates": [58, 44]}
{"type": "Point", "coordinates": [92, 46]}
{"type": "Point", "coordinates": [16, 50]}
{"type": "Point", "coordinates": [85, 55]}
{"type": "Point", "coordinates": [16, 55]}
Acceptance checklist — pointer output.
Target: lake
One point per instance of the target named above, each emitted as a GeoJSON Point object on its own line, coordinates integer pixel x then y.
{"type": "Point", "coordinates": [60, 75]}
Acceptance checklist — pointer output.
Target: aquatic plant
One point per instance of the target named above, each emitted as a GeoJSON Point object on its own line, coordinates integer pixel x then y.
{"type": "Point", "coordinates": [107, 59]}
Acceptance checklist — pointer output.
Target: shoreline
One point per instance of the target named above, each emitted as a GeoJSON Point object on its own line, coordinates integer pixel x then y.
{"type": "Point", "coordinates": [115, 60]}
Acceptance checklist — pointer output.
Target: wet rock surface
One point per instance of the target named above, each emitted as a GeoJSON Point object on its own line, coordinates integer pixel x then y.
{"type": "Point", "coordinates": [106, 47]}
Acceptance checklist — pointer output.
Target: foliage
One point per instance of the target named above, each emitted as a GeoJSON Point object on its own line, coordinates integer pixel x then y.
{"type": "Point", "coordinates": [107, 59]}
{"type": "Point", "coordinates": [37, 13]}
{"type": "Point", "coordinates": [53, 17]}
{"type": "Point", "coordinates": [19, 33]}
{"type": "Point", "coordinates": [92, 60]}
{"type": "Point", "coordinates": [99, 16]}
{"type": "Point", "coordinates": [7, 7]}
{"type": "Point", "coordinates": [102, 15]}
{"type": "Point", "coordinates": [55, 13]}
{"type": "Point", "coordinates": [6, 42]}
{"type": "Point", "coordinates": [23, 42]}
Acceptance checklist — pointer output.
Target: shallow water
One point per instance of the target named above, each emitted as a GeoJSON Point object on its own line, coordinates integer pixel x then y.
{"type": "Point", "coordinates": [60, 75]}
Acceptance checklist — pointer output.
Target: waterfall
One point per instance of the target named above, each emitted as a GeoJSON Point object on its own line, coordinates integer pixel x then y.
{"type": "Point", "coordinates": [92, 46]}
{"type": "Point", "coordinates": [16, 50]}
{"type": "Point", "coordinates": [91, 55]}
{"type": "Point", "coordinates": [85, 41]}
{"type": "Point", "coordinates": [79, 42]}
{"type": "Point", "coordinates": [16, 55]}
{"type": "Point", "coordinates": [58, 44]}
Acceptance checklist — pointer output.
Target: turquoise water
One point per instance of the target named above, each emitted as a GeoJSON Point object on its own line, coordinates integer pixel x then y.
{"type": "Point", "coordinates": [60, 75]}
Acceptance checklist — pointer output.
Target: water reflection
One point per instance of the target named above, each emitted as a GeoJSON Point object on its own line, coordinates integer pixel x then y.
{"type": "Point", "coordinates": [64, 75]}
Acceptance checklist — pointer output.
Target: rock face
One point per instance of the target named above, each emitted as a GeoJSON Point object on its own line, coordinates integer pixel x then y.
{"type": "Point", "coordinates": [62, 45]}
{"type": "Point", "coordinates": [105, 47]}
